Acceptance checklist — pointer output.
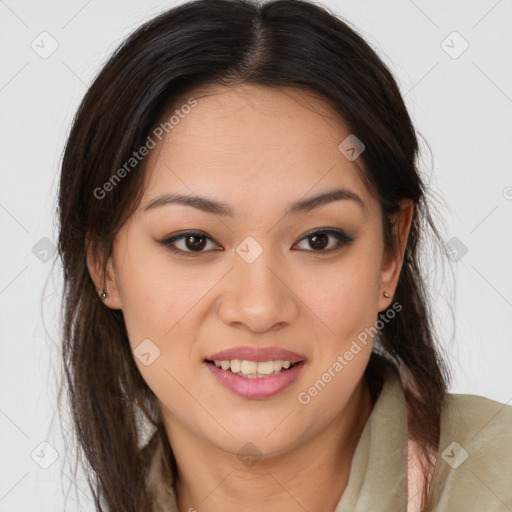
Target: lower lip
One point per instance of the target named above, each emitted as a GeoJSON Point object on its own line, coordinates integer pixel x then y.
{"type": "Point", "coordinates": [259, 387]}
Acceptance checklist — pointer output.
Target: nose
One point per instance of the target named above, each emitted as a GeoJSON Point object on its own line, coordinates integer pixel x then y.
{"type": "Point", "coordinates": [258, 296]}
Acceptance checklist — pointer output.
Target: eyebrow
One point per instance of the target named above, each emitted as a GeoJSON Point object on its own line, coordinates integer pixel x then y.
{"type": "Point", "coordinates": [220, 208]}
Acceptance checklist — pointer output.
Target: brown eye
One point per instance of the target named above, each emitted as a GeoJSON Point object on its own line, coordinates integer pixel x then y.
{"type": "Point", "coordinates": [192, 243]}
{"type": "Point", "coordinates": [195, 242]}
{"type": "Point", "coordinates": [319, 240]}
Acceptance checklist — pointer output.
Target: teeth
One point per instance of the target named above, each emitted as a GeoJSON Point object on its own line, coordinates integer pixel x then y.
{"type": "Point", "coordinates": [249, 367]}
{"type": "Point", "coordinates": [265, 368]}
{"type": "Point", "coordinates": [253, 369]}
{"type": "Point", "coordinates": [236, 365]}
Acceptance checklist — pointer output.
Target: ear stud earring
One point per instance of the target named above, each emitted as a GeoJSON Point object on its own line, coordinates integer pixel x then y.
{"type": "Point", "coordinates": [386, 294]}
{"type": "Point", "coordinates": [103, 294]}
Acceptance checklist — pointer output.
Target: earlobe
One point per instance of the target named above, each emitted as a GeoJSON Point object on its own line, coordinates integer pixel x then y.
{"type": "Point", "coordinates": [111, 289]}
{"type": "Point", "coordinates": [103, 277]}
{"type": "Point", "coordinates": [392, 262]}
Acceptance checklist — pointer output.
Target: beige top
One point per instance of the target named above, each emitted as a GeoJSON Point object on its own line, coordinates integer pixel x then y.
{"type": "Point", "coordinates": [473, 470]}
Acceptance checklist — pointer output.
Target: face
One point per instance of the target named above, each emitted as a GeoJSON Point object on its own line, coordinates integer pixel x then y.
{"type": "Point", "coordinates": [265, 268]}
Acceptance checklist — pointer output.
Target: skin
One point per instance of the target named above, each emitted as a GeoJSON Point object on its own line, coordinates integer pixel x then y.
{"type": "Point", "coordinates": [259, 150]}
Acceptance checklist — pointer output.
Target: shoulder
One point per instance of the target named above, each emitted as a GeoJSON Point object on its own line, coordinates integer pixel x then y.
{"type": "Point", "coordinates": [477, 423]}
{"type": "Point", "coordinates": [476, 419]}
{"type": "Point", "coordinates": [474, 466]}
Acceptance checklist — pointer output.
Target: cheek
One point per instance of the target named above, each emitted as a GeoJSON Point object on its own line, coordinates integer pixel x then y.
{"type": "Point", "coordinates": [154, 294]}
{"type": "Point", "coordinates": [163, 312]}
{"type": "Point", "coordinates": [344, 296]}
{"type": "Point", "coordinates": [155, 300]}
{"type": "Point", "coordinates": [347, 303]}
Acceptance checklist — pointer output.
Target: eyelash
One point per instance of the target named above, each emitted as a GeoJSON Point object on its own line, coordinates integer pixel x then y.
{"type": "Point", "coordinates": [340, 235]}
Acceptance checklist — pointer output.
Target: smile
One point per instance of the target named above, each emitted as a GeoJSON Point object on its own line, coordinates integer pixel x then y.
{"type": "Point", "coordinates": [253, 369]}
{"type": "Point", "coordinates": [255, 380]}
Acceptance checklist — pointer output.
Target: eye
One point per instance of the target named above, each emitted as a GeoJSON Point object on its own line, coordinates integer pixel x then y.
{"type": "Point", "coordinates": [193, 243]}
{"type": "Point", "coordinates": [319, 240]}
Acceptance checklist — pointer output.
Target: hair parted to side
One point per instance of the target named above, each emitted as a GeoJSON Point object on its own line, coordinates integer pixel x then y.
{"type": "Point", "coordinates": [290, 43]}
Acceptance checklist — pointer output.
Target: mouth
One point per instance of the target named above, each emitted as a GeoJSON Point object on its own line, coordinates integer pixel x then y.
{"type": "Point", "coordinates": [255, 372]}
{"type": "Point", "coordinates": [254, 369]}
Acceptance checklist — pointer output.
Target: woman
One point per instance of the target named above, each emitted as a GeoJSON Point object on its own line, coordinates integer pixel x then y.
{"type": "Point", "coordinates": [241, 219]}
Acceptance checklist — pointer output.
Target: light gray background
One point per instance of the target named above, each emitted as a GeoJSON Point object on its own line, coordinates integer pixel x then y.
{"type": "Point", "coordinates": [461, 106]}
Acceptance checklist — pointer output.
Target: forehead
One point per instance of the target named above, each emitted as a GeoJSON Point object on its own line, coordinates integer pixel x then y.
{"type": "Point", "coordinates": [251, 142]}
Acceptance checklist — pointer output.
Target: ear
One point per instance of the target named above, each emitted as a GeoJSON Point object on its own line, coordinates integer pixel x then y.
{"type": "Point", "coordinates": [103, 276]}
{"type": "Point", "coordinates": [392, 262]}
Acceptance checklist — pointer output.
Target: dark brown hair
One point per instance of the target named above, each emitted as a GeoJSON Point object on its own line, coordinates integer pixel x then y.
{"type": "Point", "coordinates": [290, 43]}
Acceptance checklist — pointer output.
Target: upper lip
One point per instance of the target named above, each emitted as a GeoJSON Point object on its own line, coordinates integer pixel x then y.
{"type": "Point", "coordinates": [258, 354]}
